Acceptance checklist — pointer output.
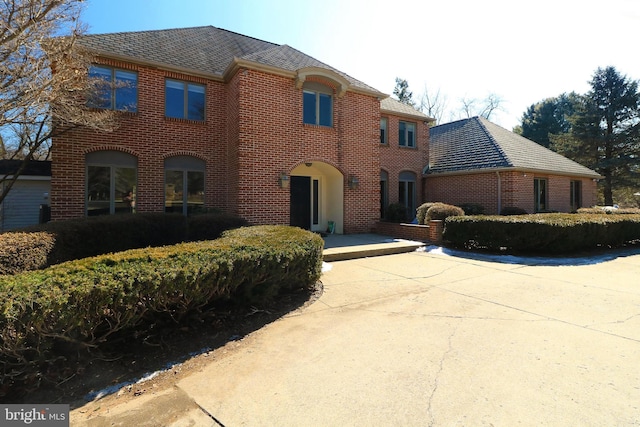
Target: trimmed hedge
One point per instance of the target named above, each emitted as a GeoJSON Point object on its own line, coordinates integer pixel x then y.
{"type": "Point", "coordinates": [541, 233]}
{"type": "Point", "coordinates": [60, 241]}
{"type": "Point", "coordinates": [24, 251]}
{"type": "Point", "coordinates": [80, 304]}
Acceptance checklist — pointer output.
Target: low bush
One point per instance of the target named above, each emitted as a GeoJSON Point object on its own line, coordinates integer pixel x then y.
{"type": "Point", "coordinates": [472, 209]}
{"type": "Point", "coordinates": [609, 210]}
{"type": "Point", "coordinates": [61, 241]}
{"type": "Point", "coordinates": [512, 210]}
{"type": "Point", "coordinates": [441, 211]}
{"type": "Point", "coordinates": [541, 233]}
{"type": "Point", "coordinates": [396, 212]}
{"type": "Point", "coordinates": [421, 212]}
{"type": "Point", "coordinates": [24, 251]}
{"type": "Point", "coordinates": [71, 307]}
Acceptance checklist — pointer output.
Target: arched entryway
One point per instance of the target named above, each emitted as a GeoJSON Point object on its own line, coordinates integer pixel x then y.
{"type": "Point", "coordinates": [316, 197]}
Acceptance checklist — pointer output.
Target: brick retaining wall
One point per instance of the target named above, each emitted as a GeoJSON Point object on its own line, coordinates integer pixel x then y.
{"type": "Point", "coordinates": [423, 233]}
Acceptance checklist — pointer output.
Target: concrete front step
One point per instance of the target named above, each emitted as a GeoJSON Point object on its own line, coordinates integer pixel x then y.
{"type": "Point", "coordinates": [339, 248]}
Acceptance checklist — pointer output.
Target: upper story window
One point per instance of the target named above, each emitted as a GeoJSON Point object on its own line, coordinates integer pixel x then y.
{"type": "Point", "coordinates": [118, 89]}
{"type": "Point", "coordinates": [317, 104]}
{"type": "Point", "coordinates": [184, 100]}
{"type": "Point", "coordinates": [407, 134]}
{"type": "Point", "coordinates": [383, 130]}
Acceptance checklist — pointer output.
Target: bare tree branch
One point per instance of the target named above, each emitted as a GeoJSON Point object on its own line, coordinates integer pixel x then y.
{"type": "Point", "coordinates": [44, 80]}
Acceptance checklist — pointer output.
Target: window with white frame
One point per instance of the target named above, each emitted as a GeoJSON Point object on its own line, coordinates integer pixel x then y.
{"type": "Point", "coordinates": [407, 134]}
{"type": "Point", "coordinates": [184, 100]}
{"type": "Point", "coordinates": [317, 104]}
{"type": "Point", "coordinates": [115, 89]}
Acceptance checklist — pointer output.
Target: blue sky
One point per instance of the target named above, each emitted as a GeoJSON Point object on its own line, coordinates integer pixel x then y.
{"type": "Point", "coordinates": [522, 51]}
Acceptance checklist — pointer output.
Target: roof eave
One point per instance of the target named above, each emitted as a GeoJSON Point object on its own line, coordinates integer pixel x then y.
{"type": "Point", "coordinates": [594, 175]}
{"type": "Point", "coordinates": [422, 117]}
{"type": "Point", "coordinates": [240, 63]}
{"type": "Point", "coordinates": [158, 65]}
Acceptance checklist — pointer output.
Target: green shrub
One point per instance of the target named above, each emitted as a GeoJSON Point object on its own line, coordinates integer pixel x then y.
{"type": "Point", "coordinates": [396, 212]}
{"type": "Point", "coordinates": [441, 211]}
{"type": "Point", "coordinates": [61, 241]}
{"type": "Point", "coordinates": [512, 210]}
{"type": "Point", "coordinates": [211, 226]}
{"type": "Point", "coordinates": [541, 233]}
{"type": "Point", "coordinates": [472, 209]}
{"type": "Point", "coordinates": [24, 251]}
{"type": "Point", "coordinates": [70, 307]}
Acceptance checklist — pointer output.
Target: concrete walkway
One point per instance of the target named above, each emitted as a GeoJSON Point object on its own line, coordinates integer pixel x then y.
{"type": "Point", "coordinates": [420, 339]}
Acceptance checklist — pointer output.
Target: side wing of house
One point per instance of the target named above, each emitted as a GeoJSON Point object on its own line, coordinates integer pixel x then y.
{"type": "Point", "coordinates": [474, 161]}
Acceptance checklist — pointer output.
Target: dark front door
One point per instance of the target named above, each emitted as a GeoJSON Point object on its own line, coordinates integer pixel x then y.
{"type": "Point", "coordinates": [300, 201]}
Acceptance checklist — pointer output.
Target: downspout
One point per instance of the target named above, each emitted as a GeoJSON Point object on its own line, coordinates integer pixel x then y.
{"type": "Point", "coordinates": [499, 193]}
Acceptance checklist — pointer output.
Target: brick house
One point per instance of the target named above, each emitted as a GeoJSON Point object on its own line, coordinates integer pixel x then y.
{"type": "Point", "coordinates": [476, 161]}
{"type": "Point", "coordinates": [213, 119]}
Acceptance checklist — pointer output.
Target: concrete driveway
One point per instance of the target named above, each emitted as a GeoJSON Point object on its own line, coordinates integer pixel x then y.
{"type": "Point", "coordinates": [422, 339]}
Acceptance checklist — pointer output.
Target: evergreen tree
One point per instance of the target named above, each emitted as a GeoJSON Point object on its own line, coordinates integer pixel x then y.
{"type": "Point", "coordinates": [605, 131]}
{"type": "Point", "coordinates": [402, 92]}
{"type": "Point", "coordinates": [546, 119]}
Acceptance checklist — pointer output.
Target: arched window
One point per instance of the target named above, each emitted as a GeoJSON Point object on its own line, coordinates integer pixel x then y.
{"type": "Point", "coordinates": [111, 183]}
{"type": "Point", "coordinates": [384, 192]}
{"type": "Point", "coordinates": [407, 192]}
{"type": "Point", "coordinates": [184, 185]}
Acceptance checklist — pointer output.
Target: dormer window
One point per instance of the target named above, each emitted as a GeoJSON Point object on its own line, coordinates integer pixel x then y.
{"type": "Point", "coordinates": [317, 104]}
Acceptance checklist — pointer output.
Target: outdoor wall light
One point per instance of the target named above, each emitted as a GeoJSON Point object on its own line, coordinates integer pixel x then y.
{"type": "Point", "coordinates": [353, 182]}
{"type": "Point", "coordinates": [283, 180]}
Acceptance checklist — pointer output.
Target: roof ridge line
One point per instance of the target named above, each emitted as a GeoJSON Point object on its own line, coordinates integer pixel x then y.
{"type": "Point", "coordinates": [480, 120]}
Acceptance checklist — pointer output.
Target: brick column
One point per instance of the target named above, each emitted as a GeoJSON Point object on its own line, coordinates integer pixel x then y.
{"type": "Point", "coordinates": [435, 230]}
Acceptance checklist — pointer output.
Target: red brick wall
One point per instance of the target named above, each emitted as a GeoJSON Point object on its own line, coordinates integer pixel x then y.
{"type": "Point", "coordinates": [516, 190]}
{"type": "Point", "coordinates": [395, 159]}
{"type": "Point", "coordinates": [152, 138]}
{"type": "Point", "coordinates": [253, 132]}
{"type": "Point", "coordinates": [273, 139]}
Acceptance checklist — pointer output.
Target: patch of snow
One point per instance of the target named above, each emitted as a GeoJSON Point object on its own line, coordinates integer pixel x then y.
{"type": "Point", "coordinates": [95, 395]}
{"type": "Point", "coordinates": [532, 260]}
{"type": "Point", "coordinates": [326, 267]}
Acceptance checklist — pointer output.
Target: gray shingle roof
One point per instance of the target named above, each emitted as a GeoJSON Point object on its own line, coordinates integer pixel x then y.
{"type": "Point", "coordinates": [207, 50]}
{"type": "Point", "coordinates": [476, 143]}
{"type": "Point", "coordinates": [391, 105]}
{"type": "Point", "coordinates": [33, 167]}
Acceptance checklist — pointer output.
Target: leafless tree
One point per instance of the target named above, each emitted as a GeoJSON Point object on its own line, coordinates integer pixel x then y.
{"type": "Point", "coordinates": [484, 108]}
{"type": "Point", "coordinates": [44, 82]}
{"type": "Point", "coordinates": [433, 104]}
